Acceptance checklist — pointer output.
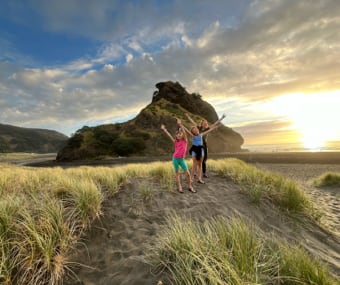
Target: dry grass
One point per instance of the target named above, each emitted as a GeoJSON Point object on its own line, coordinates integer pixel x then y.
{"type": "Point", "coordinates": [233, 252]}
{"type": "Point", "coordinates": [264, 185]}
{"type": "Point", "coordinates": [44, 212]}
{"type": "Point", "coordinates": [327, 179]}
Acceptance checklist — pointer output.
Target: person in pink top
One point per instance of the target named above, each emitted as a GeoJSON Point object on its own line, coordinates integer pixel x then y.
{"type": "Point", "coordinates": [178, 158]}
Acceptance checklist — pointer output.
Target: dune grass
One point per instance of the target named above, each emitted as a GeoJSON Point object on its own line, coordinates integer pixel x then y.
{"type": "Point", "coordinates": [265, 185]}
{"type": "Point", "coordinates": [45, 211]}
{"type": "Point", "coordinates": [232, 252]}
{"type": "Point", "coordinates": [327, 179]}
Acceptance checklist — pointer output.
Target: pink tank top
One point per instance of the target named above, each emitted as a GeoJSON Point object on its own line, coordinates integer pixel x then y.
{"type": "Point", "coordinates": [180, 149]}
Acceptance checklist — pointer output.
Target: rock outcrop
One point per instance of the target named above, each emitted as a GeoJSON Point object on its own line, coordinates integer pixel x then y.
{"type": "Point", "coordinates": [142, 135]}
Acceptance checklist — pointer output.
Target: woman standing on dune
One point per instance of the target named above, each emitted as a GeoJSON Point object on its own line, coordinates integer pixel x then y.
{"type": "Point", "coordinates": [203, 126]}
{"type": "Point", "coordinates": [197, 149]}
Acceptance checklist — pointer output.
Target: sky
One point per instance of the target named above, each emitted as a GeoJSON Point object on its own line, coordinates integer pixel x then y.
{"type": "Point", "coordinates": [272, 66]}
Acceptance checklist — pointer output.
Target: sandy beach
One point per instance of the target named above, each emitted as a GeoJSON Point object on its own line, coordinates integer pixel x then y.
{"type": "Point", "coordinates": [115, 249]}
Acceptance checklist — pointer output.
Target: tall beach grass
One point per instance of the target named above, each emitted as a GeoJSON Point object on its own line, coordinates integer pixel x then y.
{"type": "Point", "coordinates": [327, 179]}
{"type": "Point", "coordinates": [263, 185]}
{"type": "Point", "coordinates": [233, 252]}
{"type": "Point", "coordinates": [45, 211]}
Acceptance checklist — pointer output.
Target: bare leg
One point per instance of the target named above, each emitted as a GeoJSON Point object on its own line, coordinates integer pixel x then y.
{"type": "Point", "coordinates": [189, 181]}
{"type": "Point", "coordinates": [178, 181]}
{"type": "Point", "coordinates": [188, 176]}
{"type": "Point", "coordinates": [199, 166]}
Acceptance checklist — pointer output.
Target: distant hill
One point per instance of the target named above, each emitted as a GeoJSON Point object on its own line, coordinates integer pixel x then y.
{"type": "Point", "coordinates": [142, 135]}
{"type": "Point", "coordinates": [18, 139]}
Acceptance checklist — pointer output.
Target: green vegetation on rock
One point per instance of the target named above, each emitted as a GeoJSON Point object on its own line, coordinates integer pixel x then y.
{"type": "Point", "coordinates": [142, 136]}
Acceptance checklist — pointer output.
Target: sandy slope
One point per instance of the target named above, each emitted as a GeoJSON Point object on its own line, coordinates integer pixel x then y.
{"type": "Point", "coordinates": [328, 198]}
{"type": "Point", "coordinates": [115, 249]}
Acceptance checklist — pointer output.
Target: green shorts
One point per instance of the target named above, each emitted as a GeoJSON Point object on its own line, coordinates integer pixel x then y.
{"type": "Point", "coordinates": [179, 162]}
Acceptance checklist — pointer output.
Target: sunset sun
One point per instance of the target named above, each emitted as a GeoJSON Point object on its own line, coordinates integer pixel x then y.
{"type": "Point", "coordinates": [315, 116]}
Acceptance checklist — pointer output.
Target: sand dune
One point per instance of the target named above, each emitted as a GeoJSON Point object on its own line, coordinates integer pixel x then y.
{"type": "Point", "coordinates": [328, 198]}
{"type": "Point", "coordinates": [115, 248]}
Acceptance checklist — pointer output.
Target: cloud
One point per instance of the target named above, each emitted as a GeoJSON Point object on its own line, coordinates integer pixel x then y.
{"type": "Point", "coordinates": [268, 132]}
{"type": "Point", "coordinates": [236, 54]}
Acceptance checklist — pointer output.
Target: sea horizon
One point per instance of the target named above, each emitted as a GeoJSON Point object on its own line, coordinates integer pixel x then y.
{"type": "Point", "coordinates": [333, 146]}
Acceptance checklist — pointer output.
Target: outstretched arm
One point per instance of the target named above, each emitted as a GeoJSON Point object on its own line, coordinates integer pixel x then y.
{"type": "Point", "coordinates": [167, 133]}
{"type": "Point", "coordinates": [182, 128]}
{"type": "Point", "coordinates": [214, 125]}
{"type": "Point", "coordinates": [179, 123]}
{"type": "Point", "coordinates": [190, 119]}
{"type": "Point", "coordinates": [217, 123]}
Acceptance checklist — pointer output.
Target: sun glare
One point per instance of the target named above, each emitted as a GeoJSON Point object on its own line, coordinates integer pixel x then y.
{"type": "Point", "coordinates": [315, 116]}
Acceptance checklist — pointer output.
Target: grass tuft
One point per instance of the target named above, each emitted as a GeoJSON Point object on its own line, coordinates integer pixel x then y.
{"type": "Point", "coordinates": [260, 185]}
{"type": "Point", "coordinates": [327, 179]}
{"type": "Point", "coordinates": [231, 251]}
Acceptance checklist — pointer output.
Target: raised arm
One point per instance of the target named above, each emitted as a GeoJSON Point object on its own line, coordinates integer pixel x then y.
{"type": "Point", "coordinates": [214, 125]}
{"type": "Point", "coordinates": [218, 121]}
{"type": "Point", "coordinates": [167, 133]}
{"type": "Point", "coordinates": [190, 119]}
{"type": "Point", "coordinates": [179, 123]}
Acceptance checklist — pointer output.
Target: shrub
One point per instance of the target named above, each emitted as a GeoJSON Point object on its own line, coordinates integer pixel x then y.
{"type": "Point", "coordinates": [128, 146]}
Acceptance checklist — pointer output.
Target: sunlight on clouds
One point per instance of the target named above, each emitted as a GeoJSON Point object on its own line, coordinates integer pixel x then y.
{"type": "Point", "coordinates": [247, 118]}
{"type": "Point", "coordinates": [147, 57]}
{"type": "Point", "coordinates": [108, 67]}
{"type": "Point", "coordinates": [39, 77]}
{"type": "Point", "coordinates": [215, 62]}
{"type": "Point", "coordinates": [208, 35]}
{"type": "Point", "coordinates": [267, 132]}
{"type": "Point", "coordinates": [78, 65]}
{"type": "Point", "coordinates": [316, 116]}
{"type": "Point", "coordinates": [134, 45]}
{"type": "Point", "coordinates": [31, 77]}
{"type": "Point", "coordinates": [128, 57]}
{"type": "Point", "coordinates": [91, 72]}
{"type": "Point", "coordinates": [52, 73]}
{"type": "Point", "coordinates": [110, 52]}
{"type": "Point", "coordinates": [117, 114]}
{"type": "Point", "coordinates": [186, 41]}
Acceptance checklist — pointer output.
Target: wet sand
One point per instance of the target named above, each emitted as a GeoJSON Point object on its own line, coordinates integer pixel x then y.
{"type": "Point", "coordinates": [251, 157]}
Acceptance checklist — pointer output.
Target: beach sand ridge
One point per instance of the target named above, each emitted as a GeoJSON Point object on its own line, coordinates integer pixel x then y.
{"type": "Point", "coordinates": [115, 250]}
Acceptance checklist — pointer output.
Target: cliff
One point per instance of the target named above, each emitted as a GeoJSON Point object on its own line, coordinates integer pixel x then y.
{"type": "Point", "coordinates": [142, 135]}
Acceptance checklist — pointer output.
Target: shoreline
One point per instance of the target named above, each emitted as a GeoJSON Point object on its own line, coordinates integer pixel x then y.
{"type": "Point", "coordinates": [251, 157]}
{"type": "Point", "coordinates": [288, 157]}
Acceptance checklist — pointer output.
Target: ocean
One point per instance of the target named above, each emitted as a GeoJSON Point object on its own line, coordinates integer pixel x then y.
{"type": "Point", "coordinates": [291, 147]}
